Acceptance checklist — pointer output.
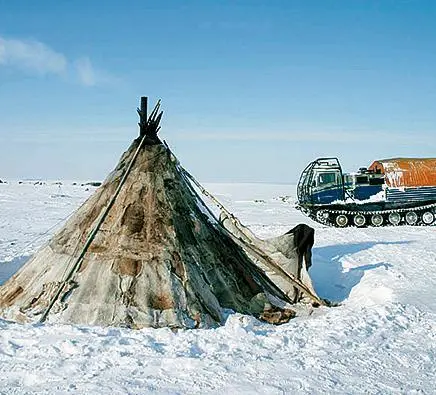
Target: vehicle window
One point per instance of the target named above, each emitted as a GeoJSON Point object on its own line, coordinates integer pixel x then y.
{"type": "Point", "coordinates": [326, 178]}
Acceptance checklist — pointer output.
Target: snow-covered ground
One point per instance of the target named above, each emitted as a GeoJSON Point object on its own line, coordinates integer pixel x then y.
{"type": "Point", "coordinates": [380, 340]}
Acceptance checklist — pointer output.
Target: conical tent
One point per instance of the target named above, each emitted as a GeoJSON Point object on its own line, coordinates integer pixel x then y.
{"type": "Point", "coordinates": [144, 251]}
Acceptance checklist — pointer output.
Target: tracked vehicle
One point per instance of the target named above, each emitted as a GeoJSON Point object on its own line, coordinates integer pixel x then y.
{"type": "Point", "coordinates": [398, 191]}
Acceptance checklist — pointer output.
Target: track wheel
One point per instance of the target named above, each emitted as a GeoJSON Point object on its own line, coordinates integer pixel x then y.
{"type": "Point", "coordinates": [427, 217]}
{"type": "Point", "coordinates": [394, 218]}
{"type": "Point", "coordinates": [411, 218]}
{"type": "Point", "coordinates": [341, 220]}
{"type": "Point", "coordinates": [359, 220]}
{"type": "Point", "coordinates": [376, 220]}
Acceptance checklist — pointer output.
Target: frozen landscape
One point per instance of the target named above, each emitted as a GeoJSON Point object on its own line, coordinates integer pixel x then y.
{"type": "Point", "coordinates": [381, 339]}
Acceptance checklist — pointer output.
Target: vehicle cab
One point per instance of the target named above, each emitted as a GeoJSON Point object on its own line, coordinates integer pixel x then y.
{"type": "Point", "coordinates": [321, 182]}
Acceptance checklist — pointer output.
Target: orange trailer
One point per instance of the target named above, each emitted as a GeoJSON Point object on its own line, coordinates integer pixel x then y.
{"type": "Point", "coordinates": [407, 172]}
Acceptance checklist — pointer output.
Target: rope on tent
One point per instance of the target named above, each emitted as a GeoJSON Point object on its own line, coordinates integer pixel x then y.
{"type": "Point", "coordinates": [256, 251]}
{"type": "Point", "coordinates": [43, 234]}
{"type": "Point", "coordinates": [194, 192]}
{"type": "Point", "coordinates": [153, 121]}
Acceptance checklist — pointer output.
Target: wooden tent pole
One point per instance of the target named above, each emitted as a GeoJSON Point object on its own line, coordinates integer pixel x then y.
{"type": "Point", "coordinates": [93, 233]}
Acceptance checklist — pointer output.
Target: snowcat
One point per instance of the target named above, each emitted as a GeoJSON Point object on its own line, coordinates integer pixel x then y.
{"type": "Point", "coordinates": [398, 191]}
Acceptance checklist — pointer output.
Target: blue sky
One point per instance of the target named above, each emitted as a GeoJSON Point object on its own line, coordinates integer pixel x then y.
{"type": "Point", "coordinates": [252, 90]}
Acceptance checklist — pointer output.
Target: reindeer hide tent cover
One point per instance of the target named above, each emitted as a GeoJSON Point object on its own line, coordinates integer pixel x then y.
{"type": "Point", "coordinates": [145, 251]}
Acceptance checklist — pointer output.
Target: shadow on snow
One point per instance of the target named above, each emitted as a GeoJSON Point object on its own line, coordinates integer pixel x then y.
{"type": "Point", "coordinates": [330, 279]}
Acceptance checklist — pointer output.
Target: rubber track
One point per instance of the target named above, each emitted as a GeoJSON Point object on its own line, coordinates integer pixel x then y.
{"type": "Point", "coordinates": [312, 215]}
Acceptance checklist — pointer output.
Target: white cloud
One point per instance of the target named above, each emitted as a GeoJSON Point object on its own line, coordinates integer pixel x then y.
{"type": "Point", "coordinates": [85, 72]}
{"type": "Point", "coordinates": [36, 57]}
{"type": "Point", "coordinates": [32, 56]}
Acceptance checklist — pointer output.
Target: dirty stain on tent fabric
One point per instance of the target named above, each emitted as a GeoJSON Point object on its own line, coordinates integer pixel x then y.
{"type": "Point", "coordinates": [145, 251]}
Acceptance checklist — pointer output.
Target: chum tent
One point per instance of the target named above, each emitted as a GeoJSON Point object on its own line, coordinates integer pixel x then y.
{"type": "Point", "coordinates": [145, 251]}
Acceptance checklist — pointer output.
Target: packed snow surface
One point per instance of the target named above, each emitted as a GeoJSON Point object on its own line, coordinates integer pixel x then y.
{"type": "Point", "coordinates": [380, 340]}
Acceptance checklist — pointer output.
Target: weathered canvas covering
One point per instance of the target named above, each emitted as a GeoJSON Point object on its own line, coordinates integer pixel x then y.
{"type": "Point", "coordinates": [291, 252]}
{"type": "Point", "coordinates": [407, 172]}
